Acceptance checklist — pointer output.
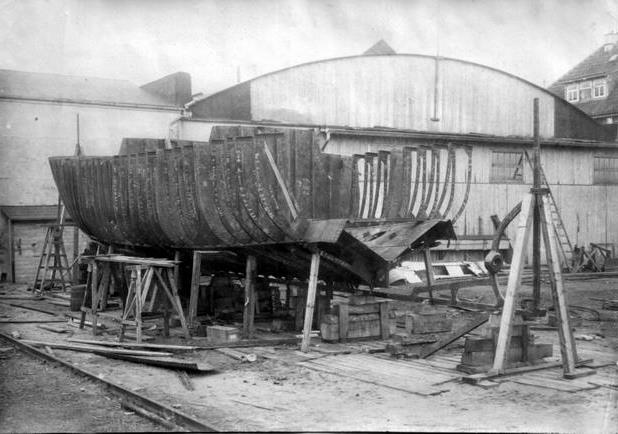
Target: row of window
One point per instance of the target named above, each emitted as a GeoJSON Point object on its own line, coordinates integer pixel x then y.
{"type": "Point", "coordinates": [586, 90]}
{"type": "Point", "coordinates": [509, 167]}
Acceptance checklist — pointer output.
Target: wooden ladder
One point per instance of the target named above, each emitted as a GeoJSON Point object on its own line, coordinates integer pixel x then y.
{"type": "Point", "coordinates": [53, 260]}
{"type": "Point", "coordinates": [564, 243]}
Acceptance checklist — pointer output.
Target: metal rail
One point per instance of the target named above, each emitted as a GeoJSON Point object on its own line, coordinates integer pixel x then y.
{"type": "Point", "coordinates": [150, 408]}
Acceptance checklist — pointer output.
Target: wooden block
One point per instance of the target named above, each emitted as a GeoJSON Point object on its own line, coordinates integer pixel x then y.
{"type": "Point", "coordinates": [329, 328]}
{"type": "Point", "coordinates": [478, 344]}
{"type": "Point", "coordinates": [427, 323]}
{"type": "Point", "coordinates": [222, 334]}
{"type": "Point", "coordinates": [482, 358]}
{"type": "Point", "coordinates": [578, 373]}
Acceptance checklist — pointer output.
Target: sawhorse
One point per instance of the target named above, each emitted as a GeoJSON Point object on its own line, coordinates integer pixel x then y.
{"type": "Point", "coordinates": [146, 273]}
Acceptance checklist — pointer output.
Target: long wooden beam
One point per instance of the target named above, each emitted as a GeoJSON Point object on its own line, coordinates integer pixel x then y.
{"type": "Point", "coordinates": [311, 292]}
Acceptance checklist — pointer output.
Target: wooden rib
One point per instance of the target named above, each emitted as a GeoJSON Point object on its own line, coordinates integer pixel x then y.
{"type": "Point", "coordinates": [468, 182]}
{"type": "Point", "coordinates": [406, 169]}
{"type": "Point", "coordinates": [412, 208]}
{"type": "Point", "coordinates": [447, 183]}
{"type": "Point", "coordinates": [206, 184]}
{"type": "Point", "coordinates": [354, 188]}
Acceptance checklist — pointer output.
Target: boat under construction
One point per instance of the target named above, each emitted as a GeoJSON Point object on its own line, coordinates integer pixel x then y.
{"type": "Point", "coordinates": [275, 194]}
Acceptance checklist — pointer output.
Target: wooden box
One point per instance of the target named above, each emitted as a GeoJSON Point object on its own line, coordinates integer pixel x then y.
{"type": "Point", "coordinates": [222, 334]}
{"type": "Point", "coordinates": [419, 323]}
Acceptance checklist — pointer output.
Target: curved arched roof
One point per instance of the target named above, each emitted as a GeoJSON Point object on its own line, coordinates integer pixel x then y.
{"type": "Point", "coordinates": [400, 91]}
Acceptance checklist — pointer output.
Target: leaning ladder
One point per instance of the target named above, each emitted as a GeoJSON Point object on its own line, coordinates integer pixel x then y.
{"type": "Point", "coordinates": [53, 260]}
{"type": "Point", "coordinates": [564, 243]}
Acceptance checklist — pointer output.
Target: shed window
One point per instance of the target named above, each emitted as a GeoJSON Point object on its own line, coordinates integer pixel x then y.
{"type": "Point", "coordinates": [572, 93]}
{"type": "Point", "coordinates": [507, 167]}
{"type": "Point", "coordinates": [599, 88]}
{"type": "Point", "coordinates": [605, 170]}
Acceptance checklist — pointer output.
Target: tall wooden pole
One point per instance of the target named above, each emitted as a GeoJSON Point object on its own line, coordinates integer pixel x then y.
{"type": "Point", "coordinates": [536, 216]}
{"type": "Point", "coordinates": [311, 292]}
{"type": "Point", "coordinates": [429, 272]}
{"type": "Point", "coordinates": [195, 288]}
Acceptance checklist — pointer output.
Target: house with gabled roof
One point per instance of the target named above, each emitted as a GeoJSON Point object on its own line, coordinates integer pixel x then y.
{"type": "Point", "coordinates": [592, 84]}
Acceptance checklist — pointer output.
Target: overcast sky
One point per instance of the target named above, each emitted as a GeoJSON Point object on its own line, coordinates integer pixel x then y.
{"type": "Point", "coordinates": [213, 40]}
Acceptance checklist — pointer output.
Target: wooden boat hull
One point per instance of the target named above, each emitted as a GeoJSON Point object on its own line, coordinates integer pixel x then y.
{"type": "Point", "coordinates": [257, 191]}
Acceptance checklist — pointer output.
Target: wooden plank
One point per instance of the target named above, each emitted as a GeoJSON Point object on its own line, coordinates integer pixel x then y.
{"type": "Point", "coordinates": [35, 309]}
{"type": "Point", "coordinates": [466, 328]}
{"type": "Point", "coordinates": [311, 292]}
{"type": "Point", "coordinates": [251, 343]}
{"type": "Point", "coordinates": [52, 329]}
{"type": "Point", "coordinates": [289, 199]}
{"type": "Point", "coordinates": [91, 349]}
{"type": "Point", "coordinates": [163, 362]}
{"type": "Point", "coordinates": [517, 264]}
{"type": "Point", "coordinates": [476, 378]}
{"type": "Point", "coordinates": [195, 288]}
{"type": "Point", "coordinates": [31, 321]}
{"type": "Point", "coordinates": [567, 342]}
{"type": "Point", "coordinates": [429, 273]}
{"type": "Point", "coordinates": [136, 345]}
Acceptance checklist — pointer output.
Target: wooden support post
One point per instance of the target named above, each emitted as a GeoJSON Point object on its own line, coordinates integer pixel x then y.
{"type": "Point", "coordinates": [567, 342]}
{"type": "Point", "coordinates": [248, 328]}
{"type": "Point", "coordinates": [429, 273]}
{"type": "Point", "coordinates": [177, 269]}
{"type": "Point", "coordinates": [344, 318]}
{"type": "Point", "coordinates": [139, 288]}
{"type": "Point", "coordinates": [311, 292]}
{"type": "Point", "coordinates": [385, 328]}
{"type": "Point", "coordinates": [299, 309]}
{"type": "Point", "coordinates": [536, 216]}
{"type": "Point", "coordinates": [94, 284]}
{"type": "Point", "coordinates": [75, 270]}
{"type": "Point", "coordinates": [195, 288]}
{"type": "Point", "coordinates": [12, 254]}
{"type": "Point", "coordinates": [517, 264]}
{"type": "Point", "coordinates": [172, 276]}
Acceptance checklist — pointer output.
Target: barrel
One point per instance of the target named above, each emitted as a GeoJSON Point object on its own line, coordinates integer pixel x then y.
{"type": "Point", "coordinates": [77, 296]}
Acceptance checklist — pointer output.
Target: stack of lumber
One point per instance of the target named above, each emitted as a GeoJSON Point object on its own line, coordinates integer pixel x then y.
{"type": "Point", "coordinates": [479, 351]}
{"type": "Point", "coordinates": [149, 354]}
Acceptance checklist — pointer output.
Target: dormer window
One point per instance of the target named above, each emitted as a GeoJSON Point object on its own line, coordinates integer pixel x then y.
{"type": "Point", "coordinates": [585, 90]}
{"type": "Point", "coordinates": [572, 93]}
{"type": "Point", "coordinates": [599, 88]}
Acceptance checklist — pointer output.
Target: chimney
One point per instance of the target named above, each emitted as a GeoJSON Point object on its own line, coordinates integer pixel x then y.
{"type": "Point", "coordinates": [610, 41]}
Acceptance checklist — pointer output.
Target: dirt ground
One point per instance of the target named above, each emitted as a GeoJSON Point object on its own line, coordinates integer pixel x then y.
{"type": "Point", "coordinates": [37, 396]}
{"type": "Point", "coordinates": [282, 392]}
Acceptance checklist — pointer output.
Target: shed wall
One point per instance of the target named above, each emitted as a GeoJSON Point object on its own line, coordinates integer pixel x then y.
{"type": "Point", "coordinates": [398, 92]}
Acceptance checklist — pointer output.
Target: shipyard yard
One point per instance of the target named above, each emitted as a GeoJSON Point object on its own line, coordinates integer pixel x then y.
{"type": "Point", "coordinates": [308, 216]}
{"type": "Point", "coordinates": [331, 387]}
